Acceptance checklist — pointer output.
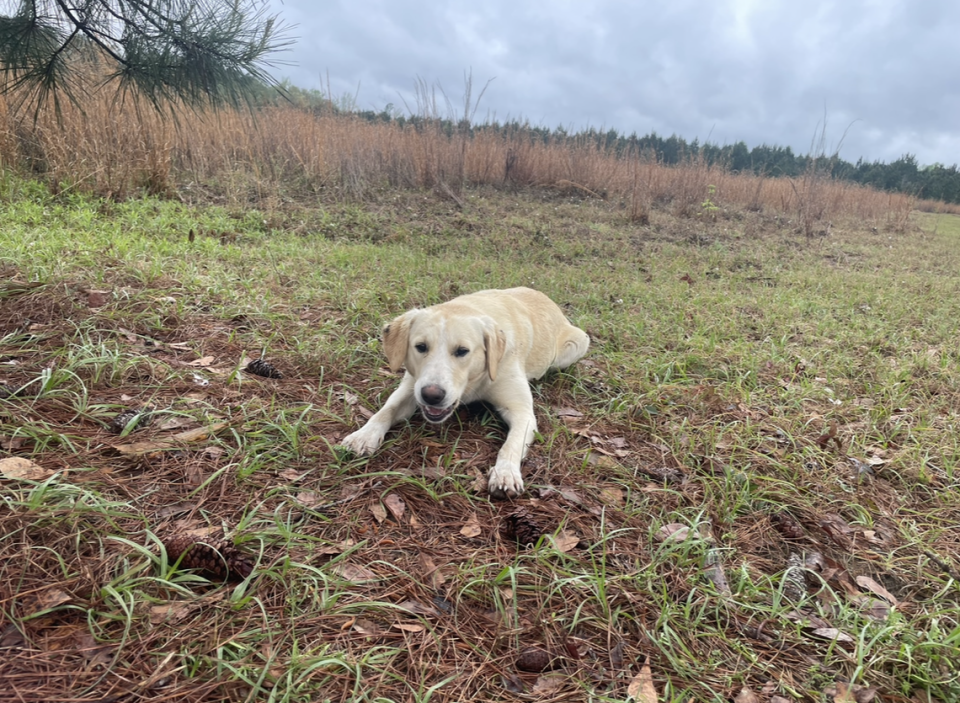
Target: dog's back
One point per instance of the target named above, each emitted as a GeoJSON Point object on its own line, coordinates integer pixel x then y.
{"type": "Point", "coordinates": [533, 319]}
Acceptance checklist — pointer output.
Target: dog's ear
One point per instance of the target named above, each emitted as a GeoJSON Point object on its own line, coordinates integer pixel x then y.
{"type": "Point", "coordinates": [395, 337]}
{"type": "Point", "coordinates": [494, 345]}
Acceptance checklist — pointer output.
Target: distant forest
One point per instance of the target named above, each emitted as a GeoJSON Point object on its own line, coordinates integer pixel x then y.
{"type": "Point", "coordinates": [905, 175]}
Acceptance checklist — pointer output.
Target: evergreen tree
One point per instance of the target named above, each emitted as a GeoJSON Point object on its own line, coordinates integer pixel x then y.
{"type": "Point", "coordinates": [201, 52]}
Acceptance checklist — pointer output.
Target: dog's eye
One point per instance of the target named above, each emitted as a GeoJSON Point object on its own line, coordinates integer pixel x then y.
{"type": "Point", "coordinates": [461, 351]}
{"type": "Point", "coordinates": [422, 348]}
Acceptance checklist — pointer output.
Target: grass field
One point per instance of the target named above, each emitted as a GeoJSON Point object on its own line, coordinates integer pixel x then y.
{"type": "Point", "coordinates": [748, 490]}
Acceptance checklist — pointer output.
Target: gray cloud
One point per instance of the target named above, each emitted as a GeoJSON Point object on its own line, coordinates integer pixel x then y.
{"type": "Point", "coordinates": [762, 71]}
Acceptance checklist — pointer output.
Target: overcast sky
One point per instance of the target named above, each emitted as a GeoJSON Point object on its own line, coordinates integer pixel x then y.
{"type": "Point", "coordinates": [762, 71]}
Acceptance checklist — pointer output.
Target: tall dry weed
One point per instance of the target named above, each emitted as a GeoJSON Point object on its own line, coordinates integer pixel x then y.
{"type": "Point", "coordinates": [116, 150]}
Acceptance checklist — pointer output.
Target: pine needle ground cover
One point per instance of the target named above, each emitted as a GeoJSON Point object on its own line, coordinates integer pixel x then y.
{"type": "Point", "coordinates": [747, 491]}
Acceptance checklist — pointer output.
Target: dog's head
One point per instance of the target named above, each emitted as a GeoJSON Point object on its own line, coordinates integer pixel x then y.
{"type": "Point", "coordinates": [448, 355]}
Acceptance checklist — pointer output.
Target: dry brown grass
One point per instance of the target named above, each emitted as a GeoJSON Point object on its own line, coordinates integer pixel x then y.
{"type": "Point", "coordinates": [282, 152]}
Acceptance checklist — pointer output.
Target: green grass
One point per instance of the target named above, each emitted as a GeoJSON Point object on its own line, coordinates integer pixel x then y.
{"type": "Point", "coordinates": [723, 354]}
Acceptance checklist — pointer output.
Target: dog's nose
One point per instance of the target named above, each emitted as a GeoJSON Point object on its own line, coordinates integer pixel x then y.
{"type": "Point", "coordinates": [432, 394]}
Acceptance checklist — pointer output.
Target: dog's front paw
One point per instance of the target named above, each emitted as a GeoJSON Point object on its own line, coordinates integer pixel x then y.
{"type": "Point", "coordinates": [364, 441]}
{"type": "Point", "coordinates": [504, 480]}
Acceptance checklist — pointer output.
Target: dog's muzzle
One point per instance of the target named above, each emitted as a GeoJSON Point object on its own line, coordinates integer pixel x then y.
{"type": "Point", "coordinates": [436, 415]}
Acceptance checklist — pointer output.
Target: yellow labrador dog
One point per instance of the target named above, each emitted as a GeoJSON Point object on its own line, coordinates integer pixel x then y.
{"type": "Point", "coordinates": [482, 346]}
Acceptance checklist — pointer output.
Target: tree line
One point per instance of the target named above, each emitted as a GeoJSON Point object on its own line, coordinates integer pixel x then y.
{"type": "Point", "coordinates": [905, 175]}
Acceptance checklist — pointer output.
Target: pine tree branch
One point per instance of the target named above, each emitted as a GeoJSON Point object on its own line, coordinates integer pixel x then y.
{"type": "Point", "coordinates": [201, 52]}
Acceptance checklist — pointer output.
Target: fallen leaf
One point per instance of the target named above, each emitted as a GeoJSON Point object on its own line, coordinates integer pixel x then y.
{"type": "Point", "coordinates": [807, 619]}
{"type": "Point", "coordinates": [354, 572]}
{"type": "Point", "coordinates": [308, 499]}
{"type": "Point", "coordinates": [202, 361]}
{"type": "Point", "coordinates": [175, 508]}
{"type": "Point", "coordinates": [567, 412]}
{"type": "Point", "coordinates": [290, 475]}
{"type": "Point", "coordinates": [841, 693]}
{"type": "Point", "coordinates": [472, 527]}
{"type": "Point", "coordinates": [616, 655]}
{"type": "Point", "coordinates": [675, 532]}
{"type": "Point", "coordinates": [175, 422]}
{"type": "Point", "coordinates": [601, 461]}
{"type": "Point", "coordinates": [16, 467]}
{"type": "Point", "coordinates": [338, 548]}
{"type": "Point", "coordinates": [874, 608]}
{"type": "Point", "coordinates": [51, 599]}
{"type": "Point", "coordinates": [414, 522]}
{"type": "Point", "coordinates": [431, 574]}
{"type": "Point", "coordinates": [746, 696]}
{"type": "Point", "coordinates": [396, 506]}
{"type": "Point", "coordinates": [611, 495]}
{"type": "Point", "coordinates": [197, 435]}
{"type": "Point", "coordinates": [11, 443]}
{"type": "Point", "coordinates": [479, 485]}
{"type": "Point", "coordinates": [417, 608]}
{"type": "Point", "coordinates": [348, 491]}
{"type": "Point", "coordinates": [366, 627]}
{"type": "Point", "coordinates": [548, 684]}
{"type": "Point", "coordinates": [379, 512]}
{"type": "Point", "coordinates": [832, 633]}
{"type": "Point", "coordinates": [11, 636]}
{"type": "Point", "coordinates": [409, 627]}
{"type": "Point", "coordinates": [877, 589]}
{"type": "Point", "coordinates": [838, 577]}
{"type": "Point", "coordinates": [565, 541]}
{"type": "Point", "coordinates": [96, 654]}
{"type": "Point", "coordinates": [831, 434]}
{"type": "Point", "coordinates": [512, 683]}
{"type": "Point", "coordinates": [713, 570]}
{"type": "Point", "coordinates": [570, 495]}
{"type": "Point", "coordinates": [838, 530]}
{"type": "Point", "coordinates": [97, 298]}
{"type": "Point", "coordinates": [642, 688]}
{"type": "Point", "coordinates": [171, 612]}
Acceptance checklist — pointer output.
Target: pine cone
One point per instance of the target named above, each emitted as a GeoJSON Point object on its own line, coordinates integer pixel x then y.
{"type": "Point", "coordinates": [787, 525]}
{"type": "Point", "coordinates": [217, 558]}
{"type": "Point", "coordinates": [520, 525]}
{"type": "Point", "coordinates": [794, 583]}
{"type": "Point", "coordinates": [143, 417]}
{"type": "Point", "coordinates": [262, 368]}
{"type": "Point", "coordinates": [535, 660]}
{"type": "Point", "coordinates": [8, 391]}
{"type": "Point", "coordinates": [662, 474]}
